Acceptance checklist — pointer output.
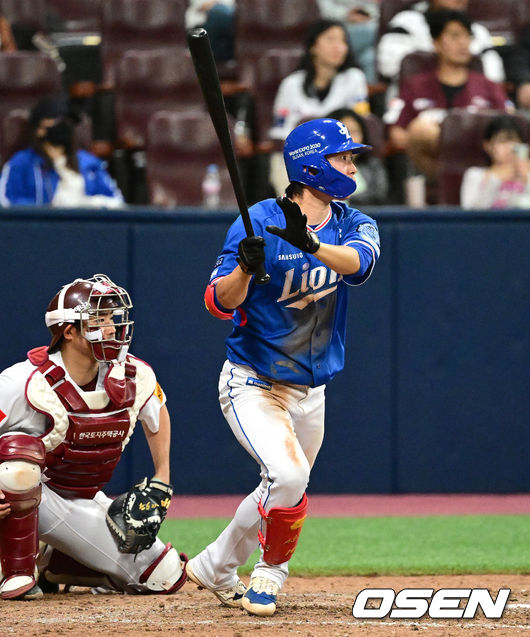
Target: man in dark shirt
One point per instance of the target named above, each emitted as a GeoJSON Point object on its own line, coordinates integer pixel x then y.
{"type": "Point", "coordinates": [415, 116]}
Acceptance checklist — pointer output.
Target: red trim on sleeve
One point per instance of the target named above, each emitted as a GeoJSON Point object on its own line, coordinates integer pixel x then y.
{"type": "Point", "coordinates": [242, 320]}
{"type": "Point", "coordinates": [211, 305]}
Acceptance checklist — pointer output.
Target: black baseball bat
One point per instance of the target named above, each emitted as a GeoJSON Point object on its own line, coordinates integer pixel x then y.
{"type": "Point", "coordinates": [204, 63]}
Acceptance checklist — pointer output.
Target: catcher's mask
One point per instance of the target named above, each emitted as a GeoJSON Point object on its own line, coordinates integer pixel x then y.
{"type": "Point", "coordinates": [95, 305]}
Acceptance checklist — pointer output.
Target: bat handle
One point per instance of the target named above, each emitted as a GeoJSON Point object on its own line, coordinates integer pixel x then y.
{"type": "Point", "coordinates": [261, 277]}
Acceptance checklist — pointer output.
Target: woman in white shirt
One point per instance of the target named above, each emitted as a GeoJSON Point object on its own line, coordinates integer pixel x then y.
{"type": "Point", "coordinates": [505, 183]}
{"type": "Point", "coordinates": [327, 79]}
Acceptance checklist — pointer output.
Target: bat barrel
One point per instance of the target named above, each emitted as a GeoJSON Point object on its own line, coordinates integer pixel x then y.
{"type": "Point", "coordinates": [206, 70]}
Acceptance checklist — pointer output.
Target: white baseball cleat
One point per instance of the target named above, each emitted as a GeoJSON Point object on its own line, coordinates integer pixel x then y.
{"type": "Point", "coordinates": [260, 597]}
{"type": "Point", "coordinates": [228, 597]}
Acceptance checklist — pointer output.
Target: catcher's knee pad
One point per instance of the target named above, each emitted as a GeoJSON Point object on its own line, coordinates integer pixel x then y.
{"type": "Point", "coordinates": [21, 460]}
{"type": "Point", "coordinates": [284, 525]}
{"type": "Point", "coordinates": [167, 573]}
{"type": "Point", "coordinates": [18, 476]}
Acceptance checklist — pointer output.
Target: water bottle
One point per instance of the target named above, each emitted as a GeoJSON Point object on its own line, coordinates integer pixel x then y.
{"type": "Point", "coordinates": [211, 187]}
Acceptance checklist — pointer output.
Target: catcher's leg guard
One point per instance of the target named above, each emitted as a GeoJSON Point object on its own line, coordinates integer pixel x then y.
{"type": "Point", "coordinates": [21, 460]}
{"type": "Point", "coordinates": [284, 525]}
{"type": "Point", "coordinates": [167, 573]}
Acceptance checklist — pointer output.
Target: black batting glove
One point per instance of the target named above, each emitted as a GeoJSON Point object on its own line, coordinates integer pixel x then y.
{"type": "Point", "coordinates": [295, 231]}
{"type": "Point", "coordinates": [251, 251]}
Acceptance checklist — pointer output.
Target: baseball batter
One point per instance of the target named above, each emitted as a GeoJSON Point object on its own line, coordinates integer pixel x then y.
{"type": "Point", "coordinates": [286, 344]}
{"type": "Point", "coordinates": [66, 413]}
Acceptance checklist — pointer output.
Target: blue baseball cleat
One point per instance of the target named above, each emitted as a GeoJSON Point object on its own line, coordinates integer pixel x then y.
{"type": "Point", "coordinates": [260, 597]}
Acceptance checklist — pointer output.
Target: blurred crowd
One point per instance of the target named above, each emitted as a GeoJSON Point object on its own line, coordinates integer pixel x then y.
{"type": "Point", "coordinates": [100, 106]}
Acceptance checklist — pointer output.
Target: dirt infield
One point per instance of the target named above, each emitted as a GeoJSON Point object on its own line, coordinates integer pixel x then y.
{"type": "Point", "coordinates": [307, 606]}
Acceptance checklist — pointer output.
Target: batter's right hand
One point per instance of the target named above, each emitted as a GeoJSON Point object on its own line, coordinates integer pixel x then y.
{"type": "Point", "coordinates": [251, 251]}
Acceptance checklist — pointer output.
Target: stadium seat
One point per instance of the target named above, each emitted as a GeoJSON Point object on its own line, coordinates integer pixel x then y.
{"type": "Point", "coordinates": [180, 146]}
{"type": "Point", "coordinates": [261, 26]}
{"type": "Point", "coordinates": [149, 81]}
{"type": "Point", "coordinates": [270, 69]}
{"type": "Point", "coordinates": [30, 13]}
{"type": "Point", "coordinates": [138, 24]}
{"type": "Point", "coordinates": [25, 78]}
{"type": "Point", "coordinates": [498, 16]}
{"type": "Point", "coordinates": [376, 133]}
{"type": "Point", "coordinates": [461, 147]}
{"type": "Point", "coordinates": [388, 9]}
{"type": "Point", "coordinates": [522, 15]}
{"type": "Point", "coordinates": [77, 15]}
{"type": "Point", "coordinates": [13, 133]}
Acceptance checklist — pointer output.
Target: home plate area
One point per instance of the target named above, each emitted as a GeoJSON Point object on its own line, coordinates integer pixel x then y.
{"type": "Point", "coordinates": [306, 606]}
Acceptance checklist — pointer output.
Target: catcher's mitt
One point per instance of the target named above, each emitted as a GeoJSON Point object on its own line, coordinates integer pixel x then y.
{"type": "Point", "coordinates": [134, 518]}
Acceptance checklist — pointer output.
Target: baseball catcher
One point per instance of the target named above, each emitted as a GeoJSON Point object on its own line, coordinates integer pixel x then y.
{"type": "Point", "coordinates": [66, 414]}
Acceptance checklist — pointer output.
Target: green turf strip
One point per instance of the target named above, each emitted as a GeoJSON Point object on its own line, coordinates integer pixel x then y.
{"type": "Point", "coordinates": [389, 545]}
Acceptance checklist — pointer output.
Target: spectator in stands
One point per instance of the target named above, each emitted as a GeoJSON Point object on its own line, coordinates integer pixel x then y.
{"type": "Point", "coordinates": [52, 171]}
{"type": "Point", "coordinates": [408, 31]}
{"type": "Point", "coordinates": [505, 183]}
{"type": "Point", "coordinates": [361, 18]}
{"type": "Point", "coordinates": [326, 79]}
{"type": "Point", "coordinates": [424, 99]}
{"type": "Point", "coordinates": [217, 17]}
{"type": "Point", "coordinates": [517, 65]}
{"type": "Point", "coordinates": [371, 176]}
{"type": "Point", "coordinates": [7, 41]}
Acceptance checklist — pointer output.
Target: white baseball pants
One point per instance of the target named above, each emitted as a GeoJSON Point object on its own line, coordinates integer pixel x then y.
{"type": "Point", "coordinates": [78, 528]}
{"type": "Point", "coordinates": [281, 426]}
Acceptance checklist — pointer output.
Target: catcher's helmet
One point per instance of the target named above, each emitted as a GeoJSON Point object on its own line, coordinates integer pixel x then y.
{"type": "Point", "coordinates": [85, 301]}
{"type": "Point", "coordinates": [305, 151]}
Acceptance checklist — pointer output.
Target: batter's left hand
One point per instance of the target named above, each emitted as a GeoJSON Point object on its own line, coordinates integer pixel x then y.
{"type": "Point", "coordinates": [295, 231]}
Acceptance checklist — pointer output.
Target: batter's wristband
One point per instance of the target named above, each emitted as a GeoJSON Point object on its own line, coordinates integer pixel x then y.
{"type": "Point", "coordinates": [313, 242]}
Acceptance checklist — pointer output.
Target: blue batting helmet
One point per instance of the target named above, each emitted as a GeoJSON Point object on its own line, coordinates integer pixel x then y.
{"type": "Point", "coordinates": [305, 153]}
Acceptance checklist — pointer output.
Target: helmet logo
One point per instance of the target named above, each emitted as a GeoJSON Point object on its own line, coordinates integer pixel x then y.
{"type": "Point", "coordinates": [304, 151]}
{"type": "Point", "coordinates": [82, 307]}
{"type": "Point", "coordinates": [343, 130]}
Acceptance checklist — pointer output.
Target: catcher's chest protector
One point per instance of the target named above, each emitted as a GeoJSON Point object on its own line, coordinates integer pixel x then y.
{"type": "Point", "coordinates": [89, 431]}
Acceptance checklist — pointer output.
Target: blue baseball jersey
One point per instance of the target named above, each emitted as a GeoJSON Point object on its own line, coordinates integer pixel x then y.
{"type": "Point", "coordinates": [293, 328]}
